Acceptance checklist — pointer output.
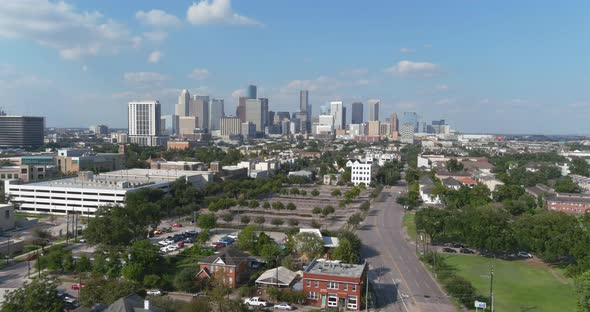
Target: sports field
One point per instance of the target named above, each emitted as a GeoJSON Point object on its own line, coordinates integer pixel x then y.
{"type": "Point", "coordinates": [518, 285]}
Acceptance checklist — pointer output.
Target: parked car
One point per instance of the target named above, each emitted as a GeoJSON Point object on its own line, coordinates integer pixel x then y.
{"type": "Point", "coordinates": [466, 251]}
{"type": "Point", "coordinates": [157, 232]}
{"type": "Point", "coordinates": [449, 250]}
{"type": "Point", "coordinates": [167, 230]}
{"type": "Point", "coordinates": [189, 240]}
{"type": "Point", "coordinates": [457, 245]}
{"type": "Point", "coordinates": [172, 248]}
{"type": "Point", "coordinates": [283, 306]}
{"type": "Point", "coordinates": [163, 243]}
{"type": "Point", "coordinates": [524, 254]}
{"type": "Point", "coordinates": [164, 249]}
{"type": "Point", "coordinates": [176, 225]}
{"type": "Point", "coordinates": [218, 245]}
{"type": "Point", "coordinates": [154, 292]}
{"type": "Point", "coordinates": [77, 286]}
{"type": "Point", "coordinates": [180, 244]}
{"type": "Point", "coordinates": [233, 236]}
{"type": "Point", "coordinates": [226, 240]}
{"type": "Point", "coordinates": [255, 301]}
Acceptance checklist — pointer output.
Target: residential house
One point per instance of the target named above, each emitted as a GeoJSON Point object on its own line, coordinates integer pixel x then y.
{"type": "Point", "coordinates": [451, 183]}
{"type": "Point", "coordinates": [426, 188]}
{"type": "Point", "coordinates": [229, 265]}
{"type": "Point", "coordinates": [332, 284]}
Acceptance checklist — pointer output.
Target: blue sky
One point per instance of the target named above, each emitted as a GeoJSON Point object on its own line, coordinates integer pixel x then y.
{"type": "Point", "coordinates": [485, 66]}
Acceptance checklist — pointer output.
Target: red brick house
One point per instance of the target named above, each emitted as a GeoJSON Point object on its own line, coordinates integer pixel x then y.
{"type": "Point", "coordinates": [576, 204]}
{"type": "Point", "coordinates": [331, 284]}
{"type": "Point", "coordinates": [229, 265]}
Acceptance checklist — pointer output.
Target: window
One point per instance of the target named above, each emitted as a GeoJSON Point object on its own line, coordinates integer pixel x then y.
{"type": "Point", "coordinates": [316, 284]}
{"type": "Point", "coordinates": [7, 214]}
{"type": "Point", "coordinates": [230, 281]}
{"type": "Point", "coordinates": [332, 285]}
{"type": "Point", "coordinates": [352, 303]}
{"type": "Point", "coordinates": [231, 270]}
{"type": "Point", "coordinates": [307, 283]}
{"type": "Point", "coordinates": [332, 300]}
{"type": "Point", "coordinates": [312, 295]}
{"type": "Point", "coordinates": [353, 287]}
{"type": "Point", "coordinates": [345, 287]}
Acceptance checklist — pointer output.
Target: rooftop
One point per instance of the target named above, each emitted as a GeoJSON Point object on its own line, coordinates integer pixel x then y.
{"type": "Point", "coordinates": [335, 267]}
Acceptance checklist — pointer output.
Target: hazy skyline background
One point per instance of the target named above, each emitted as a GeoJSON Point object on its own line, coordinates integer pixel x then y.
{"type": "Point", "coordinates": [485, 66]}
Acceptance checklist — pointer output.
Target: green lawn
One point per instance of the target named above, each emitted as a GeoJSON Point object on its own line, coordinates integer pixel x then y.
{"type": "Point", "coordinates": [518, 285]}
{"type": "Point", "coordinates": [410, 225]}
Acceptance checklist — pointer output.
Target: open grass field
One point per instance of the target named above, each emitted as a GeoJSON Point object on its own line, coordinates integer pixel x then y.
{"type": "Point", "coordinates": [410, 225]}
{"type": "Point", "coordinates": [518, 285]}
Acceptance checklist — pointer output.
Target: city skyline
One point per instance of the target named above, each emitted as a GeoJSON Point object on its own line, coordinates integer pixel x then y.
{"type": "Point", "coordinates": [513, 78]}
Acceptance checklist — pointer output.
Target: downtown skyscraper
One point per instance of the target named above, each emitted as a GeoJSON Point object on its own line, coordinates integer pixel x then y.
{"type": "Point", "coordinates": [144, 119]}
{"type": "Point", "coordinates": [374, 109]}
{"type": "Point", "coordinates": [338, 111]}
{"type": "Point", "coordinates": [357, 113]}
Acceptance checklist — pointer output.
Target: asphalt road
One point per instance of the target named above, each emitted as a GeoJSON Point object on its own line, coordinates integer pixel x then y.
{"type": "Point", "coordinates": [400, 280]}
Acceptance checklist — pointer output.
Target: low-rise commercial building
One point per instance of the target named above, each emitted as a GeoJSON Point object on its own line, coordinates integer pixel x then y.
{"type": "Point", "coordinates": [332, 284]}
{"type": "Point", "coordinates": [361, 172]}
{"type": "Point", "coordinates": [87, 192]}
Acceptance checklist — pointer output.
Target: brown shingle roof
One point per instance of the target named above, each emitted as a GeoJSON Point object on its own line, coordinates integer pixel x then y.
{"type": "Point", "coordinates": [229, 256]}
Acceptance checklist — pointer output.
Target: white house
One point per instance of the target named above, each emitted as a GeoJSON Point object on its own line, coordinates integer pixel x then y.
{"type": "Point", "coordinates": [361, 172]}
{"type": "Point", "coordinates": [426, 188]}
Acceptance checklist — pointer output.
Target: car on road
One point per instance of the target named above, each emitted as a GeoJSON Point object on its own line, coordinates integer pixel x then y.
{"type": "Point", "coordinates": [466, 251]}
{"type": "Point", "coordinates": [283, 306]}
{"type": "Point", "coordinates": [177, 225]}
{"type": "Point", "coordinates": [154, 292]}
{"type": "Point", "coordinates": [524, 254]}
{"type": "Point", "coordinates": [77, 286]}
{"type": "Point", "coordinates": [449, 250]}
{"type": "Point", "coordinates": [255, 301]}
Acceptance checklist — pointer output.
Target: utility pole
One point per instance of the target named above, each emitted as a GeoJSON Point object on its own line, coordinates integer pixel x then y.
{"type": "Point", "coordinates": [492, 289]}
{"type": "Point", "coordinates": [67, 227]}
{"type": "Point", "coordinates": [367, 288]}
{"type": "Point", "coordinates": [277, 272]}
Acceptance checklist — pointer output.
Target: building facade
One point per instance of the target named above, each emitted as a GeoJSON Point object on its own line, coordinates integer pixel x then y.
{"type": "Point", "coordinates": [357, 113]}
{"type": "Point", "coordinates": [21, 131]}
{"type": "Point", "coordinates": [230, 126]}
{"type": "Point", "coordinates": [216, 111]}
{"type": "Point", "coordinates": [335, 285]}
{"type": "Point", "coordinates": [374, 109]}
{"type": "Point", "coordinates": [361, 172]}
{"type": "Point", "coordinates": [339, 114]}
{"type": "Point", "coordinates": [144, 123]}
{"type": "Point", "coordinates": [254, 113]}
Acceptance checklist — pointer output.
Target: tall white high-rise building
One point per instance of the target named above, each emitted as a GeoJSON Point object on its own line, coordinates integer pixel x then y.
{"type": "Point", "coordinates": [374, 109]}
{"type": "Point", "coordinates": [337, 110]}
{"type": "Point", "coordinates": [184, 100]}
{"type": "Point", "coordinates": [216, 111]}
{"type": "Point", "coordinates": [144, 123]}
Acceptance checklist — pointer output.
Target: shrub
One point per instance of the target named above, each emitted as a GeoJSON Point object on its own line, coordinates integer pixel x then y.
{"type": "Point", "coordinates": [336, 192]}
{"type": "Point", "coordinates": [293, 222]}
{"type": "Point", "coordinates": [315, 224]}
{"type": "Point", "coordinates": [277, 222]}
{"type": "Point", "coordinates": [245, 219]}
{"type": "Point", "coordinates": [341, 204]}
{"type": "Point", "coordinates": [228, 217]}
{"type": "Point", "coordinates": [365, 206]}
{"type": "Point", "coordinates": [294, 191]}
{"type": "Point", "coordinates": [278, 206]}
{"type": "Point", "coordinates": [315, 192]}
{"type": "Point", "coordinates": [259, 220]}
{"type": "Point", "coordinates": [247, 291]}
{"type": "Point", "coordinates": [266, 205]}
{"type": "Point", "coordinates": [316, 210]}
{"type": "Point", "coordinates": [254, 204]}
{"type": "Point", "coordinates": [303, 193]}
{"type": "Point", "coordinates": [291, 206]}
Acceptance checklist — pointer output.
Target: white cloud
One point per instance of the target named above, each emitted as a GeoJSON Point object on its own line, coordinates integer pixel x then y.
{"type": "Point", "coordinates": [406, 50]}
{"type": "Point", "coordinates": [155, 36]}
{"type": "Point", "coordinates": [155, 57]}
{"type": "Point", "coordinates": [199, 74]}
{"type": "Point", "coordinates": [144, 77]}
{"type": "Point", "coordinates": [157, 19]}
{"type": "Point", "coordinates": [60, 26]}
{"type": "Point", "coordinates": [207, 12]}
{"type": "Point", "coordinates": [237, 93]}
{"type": "Point", "coordinates": [323, 85]}
{"type": "Point", "coordinates": [409, 68]}
{"type": "Point", "coordinates": [441, 87]}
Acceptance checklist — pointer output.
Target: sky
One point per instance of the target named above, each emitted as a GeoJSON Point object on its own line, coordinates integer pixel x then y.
{"type": "Point", "coordinates": [484, 66]}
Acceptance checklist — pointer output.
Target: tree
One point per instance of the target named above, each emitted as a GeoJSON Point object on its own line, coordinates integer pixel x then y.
{"type": "Point", "coordinates": [228, 217]}
{"type": "Point", "coordinates": [303, 193]}
{"type": "Point", "coordinates": [277, 222]}
{"type": "Point", "coordinates": [294, 191]}
{"type": "Point", "coordinates": [245, 219]}
{"type": "Point", "coordinates": [41, 237]}
{"type": "Point", "coordinates": [187, 280]}
{"type": "Point", "coordinates": [289, 263]}
{"type": "Point", "coordinates": [566, 185]}
{"type": "Point", "coordinates": [354, 220]}
{"type": "Point", "coordinates": [316, 210]}
{"type": "Point", "coordinates": [315, 193]}
{"type": "Point", "coordinates": [345, 252]}
{"type": "Point", "coordinates": [293, 222]}
{"type": "Point", "coordinates": [266, 205]}
{"type": "Point", "coordinates": [291, 206]}
{"type": "Point", "coordinates": [83, 264]}
{"type": "Point", "coordinates": [259, 220]}
{"type": "Point", "coordinates": [328, 210]}
{"type": "Point", "coordinates": [146, 255]}
{"type": "Point", "coordinates": [453, 165]}
{"type": "Point", "coordinates": [278, 205]}
{"type": "Point", "coordinates": [389, 173]}
{"type": "Point", "coordinates": [37, 295]}
{"type": "Point", "coordinates": [336, 193]}
{"type": "Point", "coordinates": [580, 166]}
{"type": "Point", "coordinates": [207, 221]}
{"type": "Point", "coordinates": [247, 238]}
{"type": "Point", "coordinates": [133, 272]}
{"type": "Point", "coordinates": [309, 244]}
{"type": "Point", "coordinates": [105, 291]}
{"type": "Point", "coordinates": [583, 291]}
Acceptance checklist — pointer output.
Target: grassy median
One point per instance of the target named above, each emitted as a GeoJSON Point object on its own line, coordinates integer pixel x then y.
{"type": "Point", "coordinates": [518, 285]}
{"type": "Point", "coordinates": [410, 225]}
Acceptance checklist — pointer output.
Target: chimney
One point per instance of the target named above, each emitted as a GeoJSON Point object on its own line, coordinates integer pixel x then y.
{"type": "Point", "coordinates": [146, 305]}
